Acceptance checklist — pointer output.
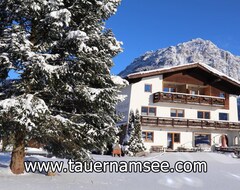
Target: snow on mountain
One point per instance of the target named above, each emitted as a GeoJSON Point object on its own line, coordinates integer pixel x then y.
{"type": "Point", "coordinates": [196, 50]}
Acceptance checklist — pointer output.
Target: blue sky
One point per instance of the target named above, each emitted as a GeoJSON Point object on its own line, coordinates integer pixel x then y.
{"type": "Point", "coordinates": [144, 25]}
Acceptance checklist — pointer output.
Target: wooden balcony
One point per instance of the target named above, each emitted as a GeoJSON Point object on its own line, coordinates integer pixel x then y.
{"type": "Point", "coordinates": [189, 123]}
{"type": "Point", "coordinates": [174, 97]}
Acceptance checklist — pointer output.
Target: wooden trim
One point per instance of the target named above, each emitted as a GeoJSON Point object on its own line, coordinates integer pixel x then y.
{"type": "Point", "coordinates": [161, 71]}
{"type": "Point", "coordinates": [177, 109]}
{"type": "Point", "coordinates": [148, 107]}
{"type": "Point", "coordinates": [204, 114]}
{"type": "Point", "coordinates": [233, 83]}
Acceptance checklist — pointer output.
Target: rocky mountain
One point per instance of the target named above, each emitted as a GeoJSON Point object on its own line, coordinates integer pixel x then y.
{"type": "Point", "coordinates": [196, 50]}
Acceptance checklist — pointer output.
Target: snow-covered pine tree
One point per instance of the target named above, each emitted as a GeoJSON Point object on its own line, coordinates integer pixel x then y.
{"type": "Point", "coordinates": [63, 54]}
{"type": "Point", "coordinates": [136, 143]}
{"type": "Point", "coordinates": [129, 128]}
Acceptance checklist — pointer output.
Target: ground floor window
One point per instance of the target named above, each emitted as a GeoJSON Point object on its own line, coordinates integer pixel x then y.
{"type": "Point", "coordinates": [202, 139]}
{"type": "Point", "coordinates": [148, 136]}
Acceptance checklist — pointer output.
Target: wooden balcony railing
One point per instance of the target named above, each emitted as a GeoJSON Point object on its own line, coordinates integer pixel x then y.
{"type": "Point", "coordinates": [174, 97]}
{"type": "Point", "coordinates": [191, 123]}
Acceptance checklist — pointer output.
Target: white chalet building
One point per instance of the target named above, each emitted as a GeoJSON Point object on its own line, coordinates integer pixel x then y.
{"type": "Point", "coordinates": [183, 106]}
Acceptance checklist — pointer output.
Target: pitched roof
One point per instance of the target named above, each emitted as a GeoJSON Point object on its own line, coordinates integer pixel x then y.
{"type": "Point", "coordinates": [202, 66]}
{"type": "Point", "coordinates": [220, 80]}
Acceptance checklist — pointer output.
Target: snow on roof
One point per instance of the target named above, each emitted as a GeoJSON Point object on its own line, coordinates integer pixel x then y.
{"type": "Point", "coordinates": [119, 81]}
{"type": "Point", "coordinates": [181, 67]}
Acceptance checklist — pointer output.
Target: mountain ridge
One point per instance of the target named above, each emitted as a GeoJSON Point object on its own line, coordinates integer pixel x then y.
{"type": "Point", "coordinates": [196, 50]}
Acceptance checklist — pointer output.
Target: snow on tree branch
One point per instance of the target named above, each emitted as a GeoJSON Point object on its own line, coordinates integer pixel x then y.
{"type": "Point", "coordinates": [23, 109]}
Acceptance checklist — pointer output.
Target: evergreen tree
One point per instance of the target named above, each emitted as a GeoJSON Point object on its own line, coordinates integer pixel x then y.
{"type": "Point", "coordinates": [65, 96]}
{"type": "Point", "coordinates": [136, 143]}
{"type": "Point", "coordinates": [129, 128]}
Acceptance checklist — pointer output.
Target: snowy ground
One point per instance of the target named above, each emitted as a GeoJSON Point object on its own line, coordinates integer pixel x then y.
{"type": "Point", "coordinates": [223, 173]}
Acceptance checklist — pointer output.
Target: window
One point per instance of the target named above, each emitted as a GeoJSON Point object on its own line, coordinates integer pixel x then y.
{"type": "Point", "coordinates": [176, 137]}
{"type": "Point", "coordinates": [144, 111]}
{"type": "Point", "coordinates": [166, 89]}
{"type": "Point", "coordinates": [147, 136]}
{"type": "Point", "coordinates": [148, 111]}
{"type": "Point", "coordinates": [152, 111]}
{"type": "Point", "coordinates": [223, 116]}
{"type": "Point", "coordinates": [177, 113]}
{"type": "Point", "coordinates": [202, 139]}
{"type": "Point", "coordinates": [148, 88]}
{"type": "Point", "coordinates": [203, 115]}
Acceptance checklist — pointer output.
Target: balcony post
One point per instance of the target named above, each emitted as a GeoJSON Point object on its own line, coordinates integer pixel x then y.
{"type": "Point", "coordinates": [173, 122]}
{"type": "Point", "coordinates": [185, 99]}
{"type": "Point", "coordinates": [211, 101]}
{"type": "Point", "coordinates": [160, 96]}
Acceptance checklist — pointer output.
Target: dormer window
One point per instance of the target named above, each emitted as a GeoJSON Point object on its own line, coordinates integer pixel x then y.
{"type": "Point", "coordinates": [148, 88]}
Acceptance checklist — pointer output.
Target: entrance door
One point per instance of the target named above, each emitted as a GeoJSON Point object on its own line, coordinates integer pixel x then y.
{"type": "Point", "coordinates": [172, 138]}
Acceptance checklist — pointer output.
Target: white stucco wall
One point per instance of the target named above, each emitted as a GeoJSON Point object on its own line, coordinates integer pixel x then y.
{"type": "Point", "coordinates": [187, 139]}
{"type": "Point", "coordinates": [140, 98]}
{"type": "Point", "coordinates": [137, 98]}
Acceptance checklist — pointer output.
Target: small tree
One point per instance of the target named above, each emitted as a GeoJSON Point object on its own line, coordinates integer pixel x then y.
{"type": "Point", "coordinates": [136, 143]}
{"type": "Point", "coordinates": [129, 128]}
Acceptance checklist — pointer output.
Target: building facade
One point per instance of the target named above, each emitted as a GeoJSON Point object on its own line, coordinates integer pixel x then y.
{"type": "Point", "coordinates": [183, 106]}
